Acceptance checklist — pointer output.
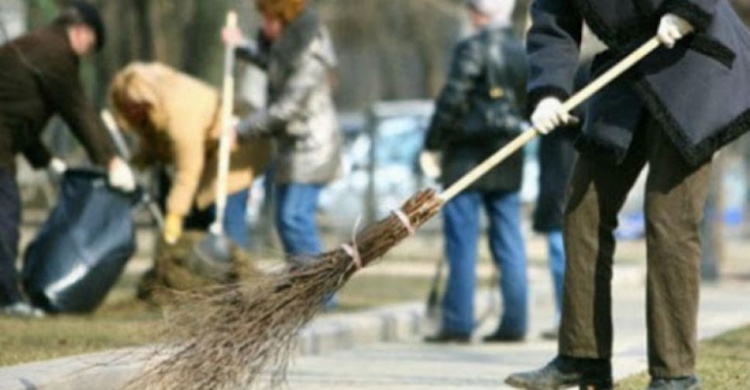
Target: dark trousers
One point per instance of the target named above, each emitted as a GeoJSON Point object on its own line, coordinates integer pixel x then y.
{"type": "Point", "coordinates": [10, 219]}
{"type": "Point", "coordinates": [675, 195]}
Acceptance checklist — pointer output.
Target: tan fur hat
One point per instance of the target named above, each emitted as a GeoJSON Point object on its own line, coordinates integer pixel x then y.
{"type": "Point", "coordinates": [286, 10]}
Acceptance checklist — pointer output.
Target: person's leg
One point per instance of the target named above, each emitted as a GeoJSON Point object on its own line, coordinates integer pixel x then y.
{"type": "Point", "coordinates": [675, 196]}
{"type": "Point", "coordinates": [295, 217]}
{"type": "Point", "coordinates": [10, 219]}
{"type": "Point", "coordinates": [556, 250]}
{"type": "Point", "coordinates": [596, 194]}
{"type": "Point", "coordinates": [509, 252]}
{"type": "Point", "coordinates": [235, 219]}
{"type": "Point", "coordinates": [461, 219]}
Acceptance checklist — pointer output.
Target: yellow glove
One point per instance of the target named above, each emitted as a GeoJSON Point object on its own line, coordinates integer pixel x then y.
{"type": "Point", "coordinates": [172, 228]}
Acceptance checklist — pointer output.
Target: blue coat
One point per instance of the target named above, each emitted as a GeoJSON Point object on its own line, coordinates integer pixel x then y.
{"type": "Point", "coordinates": [699, 92]}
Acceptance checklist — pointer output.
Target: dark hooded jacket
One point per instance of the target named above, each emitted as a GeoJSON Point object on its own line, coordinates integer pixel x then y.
{"type": "Point", "coordinates": [40, 78]}
{"type": "Point", "coordinates": [467, 90]}
{"type": "Point", "coordinates": [699, 92]}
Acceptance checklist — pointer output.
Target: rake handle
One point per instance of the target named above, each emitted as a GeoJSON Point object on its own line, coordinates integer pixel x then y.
{"type": "Point", "coordinates": [227, 99]}
{"type": "Point", "coordinates": [570, 104]}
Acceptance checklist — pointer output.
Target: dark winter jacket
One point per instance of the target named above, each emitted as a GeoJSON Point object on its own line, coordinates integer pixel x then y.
{"type": "Point", "coordinates": [699, 92]}
{"type": "Point", "coordinates": [300, 115]}
{"type": "Point", "coordinates": [39, 79]}
{"type": "Point", "coordinates": [469, 84]}
{"type": "Point", "coordinates": [557, 155]}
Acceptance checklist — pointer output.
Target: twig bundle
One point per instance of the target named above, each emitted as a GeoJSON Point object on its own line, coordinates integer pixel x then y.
{"type": "Point", "coordinates": [227, 337]}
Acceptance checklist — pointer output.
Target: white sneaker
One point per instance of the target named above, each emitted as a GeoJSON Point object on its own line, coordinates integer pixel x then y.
{"type": "Point", "coordinates": [22, 309]}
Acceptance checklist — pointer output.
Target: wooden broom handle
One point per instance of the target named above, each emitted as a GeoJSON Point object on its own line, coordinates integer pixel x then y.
{"type": "Point", "coordinates": [227, 100]}
{"type": "Point", "coordinates": [570, 104]}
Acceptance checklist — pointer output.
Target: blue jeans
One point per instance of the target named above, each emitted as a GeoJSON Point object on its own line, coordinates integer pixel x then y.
{"type": "Point", "coordinates": [235, 218]}
{"type": "Point", "coordinates": [295, 219]}
{"type": "Point", "coordinates": [508, 250]}
{"type": "Point", "coordinates": [556, 250]}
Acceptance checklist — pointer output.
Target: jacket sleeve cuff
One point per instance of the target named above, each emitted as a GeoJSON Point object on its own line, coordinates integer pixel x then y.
{"type": "Point", "coordinates": [38, 156]}
{"type": "Point", "coordinates": [261, 123]}
{"type": "Point", "coordinates": [537, 94]}
{"type": "Point", "coordinates": [697, 16]}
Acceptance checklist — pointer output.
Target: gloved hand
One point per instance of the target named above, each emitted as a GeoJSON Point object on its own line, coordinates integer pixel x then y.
{"type": "Point", "coordinates": [430, 163]}
{"type": "Point", "coordinates": [254, 125]}
{"type": "Point", "coordinates": [672, 28]}
{"type": "Point", "coordinates": [121, 177]}
{"type": "Point", "coordinates": [550, 114]}
{"type": "Point", "coordinates": [232, 36]}
{"type": "Point", "coordinates": [56, 168]}
{"type": "Point", "coordinates": [172, 228]}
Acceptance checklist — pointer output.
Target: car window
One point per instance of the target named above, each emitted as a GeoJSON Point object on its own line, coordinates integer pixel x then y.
{"type": "Point", "coordinates": [399, 140]}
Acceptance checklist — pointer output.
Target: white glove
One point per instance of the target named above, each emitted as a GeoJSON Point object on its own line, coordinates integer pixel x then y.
{"type": "Point", "coordinates": [430, 164]}
{"type": "Point", "coordinates": [57, 167]}
{"type": "Point", "coordinates": [672, 28]}
{"type": "Point", "coordinates": [121, 177]}
{"type": "Point", "coordinates": [549, 114]}
{"type": "Point", "coordinates": [232, 36]}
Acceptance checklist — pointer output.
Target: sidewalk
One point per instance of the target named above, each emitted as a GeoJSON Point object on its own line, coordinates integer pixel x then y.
{"type": "Point", "coordinates": [382, 348]}
{"type": "Point", "coordinates": [414, 365]}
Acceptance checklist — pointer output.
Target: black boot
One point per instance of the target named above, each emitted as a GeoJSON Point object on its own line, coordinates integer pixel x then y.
{"type": "Point", "coordinates": [564, 372]}
{"type": "Point", "coordinates": [684, 383]}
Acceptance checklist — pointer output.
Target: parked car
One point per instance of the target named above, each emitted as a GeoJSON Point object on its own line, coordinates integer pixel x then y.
{"type": "Point", "coordinates": [381, 165]}
{"type": "Point", "coordinates": [381, 159]}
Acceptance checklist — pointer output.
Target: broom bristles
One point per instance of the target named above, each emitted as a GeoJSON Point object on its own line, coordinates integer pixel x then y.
{"type": "Point", "coordinates": [229, 337]}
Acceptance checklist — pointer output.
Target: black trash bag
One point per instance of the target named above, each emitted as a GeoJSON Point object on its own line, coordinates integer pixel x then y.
{"type": "Point", "coordinates": [83, 246]}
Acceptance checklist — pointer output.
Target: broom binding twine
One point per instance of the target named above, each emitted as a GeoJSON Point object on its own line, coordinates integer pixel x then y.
{"type": "Point", "coordinates": [405, 221]}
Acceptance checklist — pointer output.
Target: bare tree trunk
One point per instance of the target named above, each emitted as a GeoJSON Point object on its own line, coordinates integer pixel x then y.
{"type": "Point", "coordinates": [145, 29]}
{"type": "Point", "coordinates": [202, 40]}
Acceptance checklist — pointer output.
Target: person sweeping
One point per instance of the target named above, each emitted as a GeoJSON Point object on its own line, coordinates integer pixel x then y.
{"type": "Point", "coordinates": [231, 336]}
{"type": "Point", "coordinates": [672, 112]}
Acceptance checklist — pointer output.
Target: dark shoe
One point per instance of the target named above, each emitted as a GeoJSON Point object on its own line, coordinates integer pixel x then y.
{"type": "Point", "coordinates": [445, 336]}
{"type": "Point", "coordinates": [562, 373]}
{"type": "Point", "coordinates": [684, 383]}
{"type": "Point", "coordinates": [499, 337]}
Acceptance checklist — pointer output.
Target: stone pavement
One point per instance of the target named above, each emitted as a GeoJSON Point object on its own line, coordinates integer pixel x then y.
{"type": "Point", "coordinates": [411, 364]}
{"type": "Point", "coordinates": [382, 348]}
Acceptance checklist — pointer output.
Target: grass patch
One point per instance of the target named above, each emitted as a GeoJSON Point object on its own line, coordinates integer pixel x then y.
{"type": "Point", "coordinates": [364, 291]}
{"type": "Point", "coordinates": [123, 321]}
{"type": "Point", "coordinates": [723, 363]}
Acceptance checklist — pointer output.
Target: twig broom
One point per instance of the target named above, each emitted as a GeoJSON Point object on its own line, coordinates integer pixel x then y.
{"type": "Point", "coordinates": [228, 337]}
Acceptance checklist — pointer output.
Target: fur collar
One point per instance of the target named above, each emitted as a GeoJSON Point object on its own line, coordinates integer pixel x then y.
{"type": "Point", "coordinates": [297, 36]}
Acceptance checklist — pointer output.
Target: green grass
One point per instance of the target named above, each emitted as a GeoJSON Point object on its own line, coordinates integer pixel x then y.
{"type": "Point", "coordinates": [124, 321]}
{"type": "Point", "coordinates": [723, 363]}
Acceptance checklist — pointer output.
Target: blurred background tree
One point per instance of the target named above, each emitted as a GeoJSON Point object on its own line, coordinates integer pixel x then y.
{"type": "Point", "coordinates": [395, 49]}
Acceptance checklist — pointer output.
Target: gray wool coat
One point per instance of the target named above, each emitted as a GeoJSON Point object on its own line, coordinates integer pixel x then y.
{"type": "Point", "coordinates": [300, 116]}
{"type": "Point", "coordinates": [699, 92]}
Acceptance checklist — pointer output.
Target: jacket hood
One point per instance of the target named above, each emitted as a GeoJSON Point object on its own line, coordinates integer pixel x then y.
{"type": "Point", "coordinates": [299, 35]}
